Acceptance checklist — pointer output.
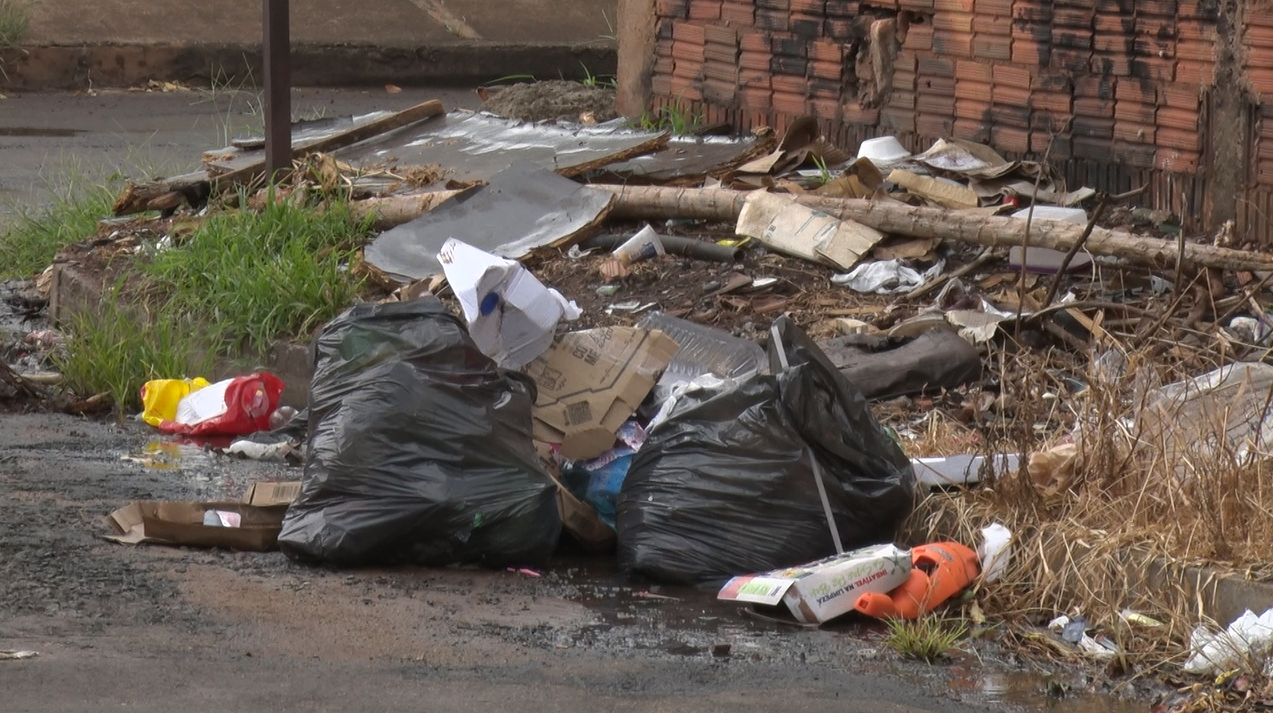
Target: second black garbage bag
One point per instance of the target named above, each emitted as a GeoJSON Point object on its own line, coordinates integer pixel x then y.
{"type": "Point", "coordinates": [726, 484]}
{"type": "Point", "coordinates": [419, 449]}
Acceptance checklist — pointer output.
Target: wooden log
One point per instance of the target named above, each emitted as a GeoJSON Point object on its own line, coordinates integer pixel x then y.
{"type": "Point", "coordinates": [392, 211]}
{"type": "Point", "coordinates": [393, 122]}
{"type": "Point", "coordinates": [168, 194]}
{"type": "Point", "coordinates": [658, 203]}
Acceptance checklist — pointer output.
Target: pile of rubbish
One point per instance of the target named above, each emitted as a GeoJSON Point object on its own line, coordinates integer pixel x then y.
{"type": "Point", "coordinates": [670, 348]}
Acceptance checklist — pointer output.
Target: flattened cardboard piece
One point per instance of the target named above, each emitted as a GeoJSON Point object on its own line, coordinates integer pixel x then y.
{"type": "Point", "coordinates": [581, 520]}
{"type": "Point", "coordinates": [788, 227]}
{"type": "Point", "coordinates": [821, 591]}
{"type": "Point", "coordinates": [169, 522]}
{"type": "Point", "coordinates": [262, 494]}
{"type": "Point", "coordinates": [937, 191]}
{"type": "Point", "coordinates": [523, 207]}
{"type": "Point", "coordinates": [590, 382]}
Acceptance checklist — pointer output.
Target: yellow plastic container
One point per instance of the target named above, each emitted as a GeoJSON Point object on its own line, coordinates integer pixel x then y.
{"type": "Point", "coordinates": [160, 397]}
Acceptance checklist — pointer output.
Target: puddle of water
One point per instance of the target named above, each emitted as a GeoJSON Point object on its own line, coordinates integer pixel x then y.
{"type": "Point", "coordinates": [31, 131]}
{"type": "Point", "coordinates": [1031, 691]}
{"type": "Point", "coordinates": [193, 468]}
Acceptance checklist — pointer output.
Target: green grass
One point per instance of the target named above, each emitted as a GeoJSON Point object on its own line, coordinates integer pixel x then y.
{"type": "Point", "coordinates": [115, 350]}
{"type": "Point", "coordinates": [594, 80]}
{"type": "Point", "coordinates": [15, 20]}
{"type": "Point", "coordinates": [28, 244]}
{"type": "Point", "coordinates": [678, 119]}
{"type": "Point", "coordinates": [258, 276]}
{"type": "Point", "coordinates": [928, 638]}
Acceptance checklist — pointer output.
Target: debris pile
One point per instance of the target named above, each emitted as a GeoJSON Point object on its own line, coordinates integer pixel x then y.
{"type": "Point", "coordinates": [758, 355]}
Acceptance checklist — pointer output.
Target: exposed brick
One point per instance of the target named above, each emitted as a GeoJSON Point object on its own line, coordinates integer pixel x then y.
{"type": "Point", "coordinates": [977, 91]}
{"type": "Point", "coordinates": [924, 6]}
{"type": "Point", "coordinates": [792, 85]}
{"type": "Point", "coordinates": [827, 70]}
{"type": "Point", "coordinates": [1114, 25]}
{"type": "Point", "coordinates": [842, 8]}
{"type": "Point", "coordinates": [1057, 147]}
{"type": "Point", "coordinates": [672, 8]}
{"type": "Point", "coordinates": [953, 21]}
{"type": "Point", "coordinates": [721, 92]}
{"type": "Point", "coordinates": [1094, 87]}
{"type": "Point", "coordinates": [993, 7]}
{"type": "Point", "coordinates": [952, 44]}
{"type": "Point", "coordinates": [929, 66]}
{"type": "Point", "coordinates": [662, 65]}
{"type": "Point", "coordinates": [857, 114]}
{"type": "Point", "coordinates": [1197, 51]}
{"type": "Point", "coordinates": [1173, 161]}
{"type": "Point", "coordinates": [1134, 133]}
{"type": "Point", "coordinates": [919, 37]}
{"type": "Point", "coordinates": [686, 89]}
{"type": "Point", "coordinates": [967, 70]}
{"type": "Point", "coordinates": [1183, 119]}
{"type": "Point", "coordinates": [1203, 73]}
{"type": "Point", "coordinates": [1137, 92]}
{"type": "Point", "coordinates": [1011, 115]}
{"type": "Point", "coordinates": [661, 84]}
{"type": "Point", "coordinates": [789, 47]}
{"type": "Point", "coordinates": [757, 61]}
{"type": "Point", "coordinates": [1013, 76]}
{"type": "Point", "coordinates": [901, 121]}
{"type": "Point", "coordinates": [1085, 147]}
{"type": "Point", "coordinates": [840, 29]}
{"type": "Point", "coordinates": [934, 126]}
{"type": "Point", "coordinates": [1093, 107]}
{"type": "Point", "coordinates": [1068, 39]}
{"type": "Point", "coordinates": [789, 66]}
{"type": "Point", "coordinates": [806, 26]}
{"type": "Point", "coordinates": [1137, 155]}
{"type": "Point", "coordinates": [1181, 96]}
{"type": "Point", "coordinates": [935, 104]}
{"type": "Point", "coordinates": [825, 108]}
{"type": "Point", "coordinates": [689, 34]}
{"type": "Point", "coordinates": [972, 130]}
{"type": "Point", "coordinates": [1159, 70]}
{"type": "Point", "coordinates": [755, 97]}
{"type": "Point", "coordinates": [935, 86]}
{"type": "Point", "coordinates": [1072, 60]}
{"type": "Point", "coordinates": [1092, 127]}
{"type": "Point", "coordinates": [1073, 18]}
{"type": "Point", "coordinates": [904, 82]}
{"type": "Point", "coordinates": [1000, 25]}
{"type": "Point", "coordinates": [775, 20]}
{"type": "Point", "coordinates": [721, 72]}
{"type": "Point", "coordinates": [1029, 52]}
{"type": "Point", "coordinates": [720, 34]}
{"type": "Point", "coordinates": [1186, 139]}
{"type": "Point", "coordinates": [812, 7]}
{"type": "Point", "coordinates": [972, 109]}
{"type": "Point", "coordinates": [1010, 139]}
{"type": "Point", "coordinates": [727, 54]}
{"type": "Point", "coordinates": [902, 100]}
{"type": "Point", "coordinates": [826, 51]}
{"type": "Point", "coordinates": [784, 5]}
{"type": "Point", "coordinates": [738, 14]}
{"type": "Point", "coordinates": [1011, 96]}
{"type": "Point", "coordinates": [705, 10]}
{"type": "Point", "coordinates": [1135, 112]}
{"type": "Point", "coordinates": [1111, 65]}
{"type": "Point", "coordinates": [688, 70]}
{"type": "Point", "coordinates": [953, 5]}
{"type": "Point", "coordinates": [825, 88]}
{"type": "Point", "coordinates": [992, 47]}
{"type": "Point", "coordinates": [789, 103]}
{"type": "Point", "coordinates": [1261, 80]}
{"type": "Point", "coordinates": [1051, 101]}
{"type": "Point", "coordinates": [683, 52]}
{"type": "Point", "coordinates": [756, 79]}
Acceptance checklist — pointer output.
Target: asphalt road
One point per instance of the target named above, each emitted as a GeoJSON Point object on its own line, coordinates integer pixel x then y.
{"type": "Point", "coordinates": [51, 141]}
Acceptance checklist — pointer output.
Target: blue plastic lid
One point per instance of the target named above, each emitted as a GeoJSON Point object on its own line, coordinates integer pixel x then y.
{"type": "Point", "coordinates": [489, 303]}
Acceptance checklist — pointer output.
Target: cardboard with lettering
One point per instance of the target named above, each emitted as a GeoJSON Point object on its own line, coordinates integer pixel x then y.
{"type": "Point", "coordinates": [181, 523]}
{"type": "Point", "coordinates": [590, 382]}
{"type": "Point", "coordinates": [820, 591]}
{"type": "Point", "coordinates": [264, 494]}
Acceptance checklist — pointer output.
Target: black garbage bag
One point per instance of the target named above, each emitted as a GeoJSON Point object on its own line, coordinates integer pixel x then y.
{"type": "Point", "coordinates": [419, 449]}
{"type": "Point", "coordinates": [725, 486]}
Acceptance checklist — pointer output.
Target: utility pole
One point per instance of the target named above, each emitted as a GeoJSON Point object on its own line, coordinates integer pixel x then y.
{"type": "Point", "coordinates": [278, 87]}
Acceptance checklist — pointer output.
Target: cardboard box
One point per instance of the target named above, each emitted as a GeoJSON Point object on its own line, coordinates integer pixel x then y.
{"type": "Point", "coordinates": [820, 591]}
{"type": "Point", "coordinates": [181, 523]}
{"type": "Point", "coordinates": [590, 382]}
{"type": "Point", "coordinates": [267, 494]}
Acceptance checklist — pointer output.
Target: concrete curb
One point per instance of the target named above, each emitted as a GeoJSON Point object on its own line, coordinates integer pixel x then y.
{"type": "Point", "coordinates": [313, 65]}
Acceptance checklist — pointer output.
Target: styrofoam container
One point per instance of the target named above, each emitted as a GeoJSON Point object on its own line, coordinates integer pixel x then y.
{"type": "Point", "coordinates": [883, 149]}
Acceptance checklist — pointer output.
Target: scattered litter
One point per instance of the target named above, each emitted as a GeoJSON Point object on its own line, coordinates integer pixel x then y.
{"type": "Point", "coordinates": [511, 315]}
{"type": "Point", "coordinates": [1248, 639]}
{"type": "Point", "coordinates": [160, 397]}
{"type": "Point", "coordinates": [884, 368]}
{"type": "Point", "coordinates": [938, 572]}
{"type": "Point", "coordinates": [524, 207]}
{"type": "Point", "coordinates": [788, 227]}
{"type": "Point", "coordinates": [645, 245]}
{"type": "Point", "coordinates": [1138, 619]}
{"type": "Point", "coordinates": [419, 450]}
{"type": "Point", "coordinates": [994, 551]}
{"type": "Point", "coordinates": [253, 450]}
{"type": "Point", "coordinates": [10, 655]}
{"type": "Point", "coordinates": [524, 571]}
{"type": "Point", "coordinates": [886, 277]}
{"type": "Point", "coordinates": [233, 407]}
{"type": "Point", "coordinates": [961, 469]}
{"type": "Point", "coordinates": [820, 591]}
{"type": "Point", "coordinates": [591, 382]}
{"type": "Point", "coordinates": [730, 483]}
{"type": "Point", "coordinates": [255, 529]}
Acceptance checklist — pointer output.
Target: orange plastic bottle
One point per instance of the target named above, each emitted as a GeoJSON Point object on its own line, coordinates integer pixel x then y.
{"type": "Point", "coordinates": [939, 571]}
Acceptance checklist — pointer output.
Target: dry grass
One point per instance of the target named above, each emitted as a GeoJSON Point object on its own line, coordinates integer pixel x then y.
{"type": "Point", "coordinates": [1136, 495]}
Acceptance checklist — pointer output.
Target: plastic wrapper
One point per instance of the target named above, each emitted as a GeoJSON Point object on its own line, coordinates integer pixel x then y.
{"type": "Point", "coordinates": [725, 486]}
{"type": "Point", "coordinates": [419, 449]}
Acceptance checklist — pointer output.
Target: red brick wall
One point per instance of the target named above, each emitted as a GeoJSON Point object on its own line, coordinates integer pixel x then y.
{"type": "Point", "coordinates": [1121, 89]}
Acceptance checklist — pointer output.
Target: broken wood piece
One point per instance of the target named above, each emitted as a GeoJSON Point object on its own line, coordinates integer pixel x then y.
{"type": "Point", "coordinates": [166, 194]}
{"type": "Point", "coordinates": [392, 211]}
{"type": "Point", "coordinates": [393, 122]}
{"type": "Point", "coordinates": [654, 202]}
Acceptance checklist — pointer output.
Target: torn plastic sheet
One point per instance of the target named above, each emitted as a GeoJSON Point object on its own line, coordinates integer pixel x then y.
{"type": "Point", "coordinates": [476, 146]}
{"type": "Point", "coordinates": [523, 207]}
{"type": "Point", "coordinates": [886, 277]}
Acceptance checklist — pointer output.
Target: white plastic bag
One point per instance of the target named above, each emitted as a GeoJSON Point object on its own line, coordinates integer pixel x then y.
{"type": "Point", "coordinates": [1246, 638]}
{"type": "Point", "coordinates": [995, 550]}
